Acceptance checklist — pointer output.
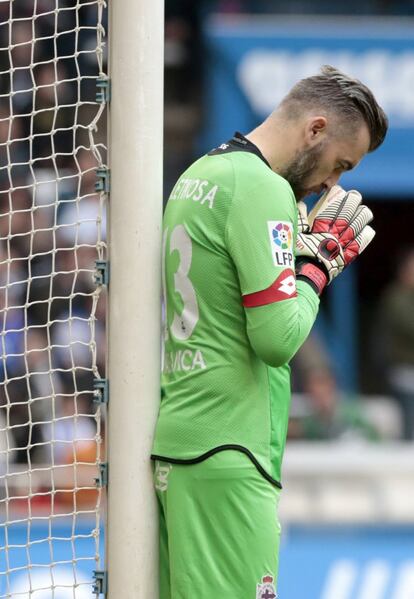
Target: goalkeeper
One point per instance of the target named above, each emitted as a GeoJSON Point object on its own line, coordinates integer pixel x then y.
{"type": "Point", "coordinates": [243, 270]}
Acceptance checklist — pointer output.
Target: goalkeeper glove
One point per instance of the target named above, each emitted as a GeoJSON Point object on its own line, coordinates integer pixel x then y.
{"type": "Point", "coordinates": [332, 236]}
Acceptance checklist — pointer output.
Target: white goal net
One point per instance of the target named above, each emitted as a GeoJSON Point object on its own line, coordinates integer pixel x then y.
{"type": "Point", "coordinates": [53, 187]}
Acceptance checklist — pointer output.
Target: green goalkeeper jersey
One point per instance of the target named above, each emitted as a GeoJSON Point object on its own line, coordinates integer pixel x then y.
{"type": "Point", "coordinates": [234, 312]}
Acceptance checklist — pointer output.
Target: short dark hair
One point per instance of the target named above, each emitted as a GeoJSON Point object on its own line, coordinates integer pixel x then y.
{"type": "Point", "coordinates": [338, 93]}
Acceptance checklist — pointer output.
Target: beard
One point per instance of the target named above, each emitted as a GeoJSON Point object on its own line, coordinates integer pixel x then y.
{"type": "Point", "coordinates": [299, 170]}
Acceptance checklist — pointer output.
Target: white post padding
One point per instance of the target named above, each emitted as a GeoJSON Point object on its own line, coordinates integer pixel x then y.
{"type": "Point", "coordinates": [136, 30]}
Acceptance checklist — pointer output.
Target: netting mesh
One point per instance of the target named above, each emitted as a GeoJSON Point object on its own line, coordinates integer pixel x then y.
{"type": "Point", "coordinates": [52, 305]}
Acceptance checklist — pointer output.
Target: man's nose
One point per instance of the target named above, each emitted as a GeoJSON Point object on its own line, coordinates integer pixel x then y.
{"type": "Point", "coordinates": [331, 181]}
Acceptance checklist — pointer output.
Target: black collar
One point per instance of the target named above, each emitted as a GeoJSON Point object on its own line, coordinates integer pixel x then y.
{"type": "Point", "coordinates": [239, 143]}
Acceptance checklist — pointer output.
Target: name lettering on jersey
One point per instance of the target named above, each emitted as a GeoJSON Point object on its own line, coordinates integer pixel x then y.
{"type": "Point", "coordinates": [184, 361]}
{"type": "Point", "coordinates": [281, 242]}
{"type": "Point", "coordinates": [198, 190]}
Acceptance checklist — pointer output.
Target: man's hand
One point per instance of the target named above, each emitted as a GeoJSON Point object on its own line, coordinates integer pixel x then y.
{"type": "Point", "coordinates": [334, 233]}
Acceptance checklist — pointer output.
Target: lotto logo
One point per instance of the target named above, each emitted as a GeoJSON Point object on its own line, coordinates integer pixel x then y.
{"type": "Point", "coordinates": [288, 285]}
{"type": "Point", "coordinates": [283, 288]}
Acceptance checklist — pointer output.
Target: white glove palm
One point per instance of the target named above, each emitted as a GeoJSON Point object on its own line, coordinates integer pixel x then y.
{"type": "Point", "coordinates": [334, 233]}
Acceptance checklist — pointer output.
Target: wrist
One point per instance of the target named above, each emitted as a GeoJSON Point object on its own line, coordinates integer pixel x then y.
{"type": "Point", "coordinates": [313, 274]}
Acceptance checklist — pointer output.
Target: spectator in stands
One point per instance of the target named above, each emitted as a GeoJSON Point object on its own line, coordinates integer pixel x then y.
{"type": "Point", "coordinates": [313, 355]}
{"type": "Point", "coordinates": [14, 145]}
{"type": "Point", "coordinates": [395, 336]}
{"type": "Point", "coordinates": [20, 59]}
{"type": "Point", "coordinates": [327, 414]}
{"type": "Point", "coordinates": [55, 107]}
{"type": "Point", "coordinates": [15, 220]}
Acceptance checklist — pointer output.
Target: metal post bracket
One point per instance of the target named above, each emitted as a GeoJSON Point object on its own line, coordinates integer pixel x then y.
{"type": "Point", "coordinates": [103, 92]}
{"type": "Point", "coordinates": [102, 479]}
{"type": "Point", "coordinates": [101, 391]}
{"type": "Point", "coordinates": [100, 586]}
{"type": "Point", "coordinates": [103, 179]}
{"type": "Point", "coordinates": [101, 275]}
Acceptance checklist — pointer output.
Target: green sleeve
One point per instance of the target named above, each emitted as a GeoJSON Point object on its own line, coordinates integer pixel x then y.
{"type": "Point", "coordinates": [277, 331]}
{"type": "Point", "coordinates": [261, 256]}
{"type": "Point", "coordinates": [255, 210]}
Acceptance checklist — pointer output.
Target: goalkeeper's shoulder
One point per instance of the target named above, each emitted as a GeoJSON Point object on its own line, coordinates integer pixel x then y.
{"type": "Point", "coordinates": [264, 193]}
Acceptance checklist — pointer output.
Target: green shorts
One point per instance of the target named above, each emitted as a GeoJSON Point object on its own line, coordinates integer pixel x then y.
{"type": "Point", "coordinates": [219, 529]}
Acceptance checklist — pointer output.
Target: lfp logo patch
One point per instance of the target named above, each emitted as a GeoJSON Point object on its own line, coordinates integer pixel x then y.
{"type": "Point", "coordinates": [281, 242]}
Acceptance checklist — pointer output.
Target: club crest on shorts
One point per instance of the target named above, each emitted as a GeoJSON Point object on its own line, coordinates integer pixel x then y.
{"type": "Point", "coordinates": [162, 471]}
{"type": "Point", "coordinates": [266, 589]}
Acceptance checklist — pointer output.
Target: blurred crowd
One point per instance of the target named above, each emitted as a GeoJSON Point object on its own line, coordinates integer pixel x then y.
{"type": "Point", "coordinates": [322, 411]}
{"type": "Point", "coordinates": [52, 230]}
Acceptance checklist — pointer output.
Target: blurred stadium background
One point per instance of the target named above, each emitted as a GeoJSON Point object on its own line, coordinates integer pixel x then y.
{"type": "Point", "coordinates": [348, 504]}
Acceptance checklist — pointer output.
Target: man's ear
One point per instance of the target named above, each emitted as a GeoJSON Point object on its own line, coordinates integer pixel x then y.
{"type": "Point", "coordinates": [315, 129]}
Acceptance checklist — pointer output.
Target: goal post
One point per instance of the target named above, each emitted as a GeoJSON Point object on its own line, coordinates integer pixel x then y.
{"type": "Point", "coordinates": [135, 208]}
{"type": "Point", "coordinates": [58, 449]}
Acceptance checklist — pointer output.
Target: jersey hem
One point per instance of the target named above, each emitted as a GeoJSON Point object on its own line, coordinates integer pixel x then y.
{"type": "Point", "coordinates": [215, 450]}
